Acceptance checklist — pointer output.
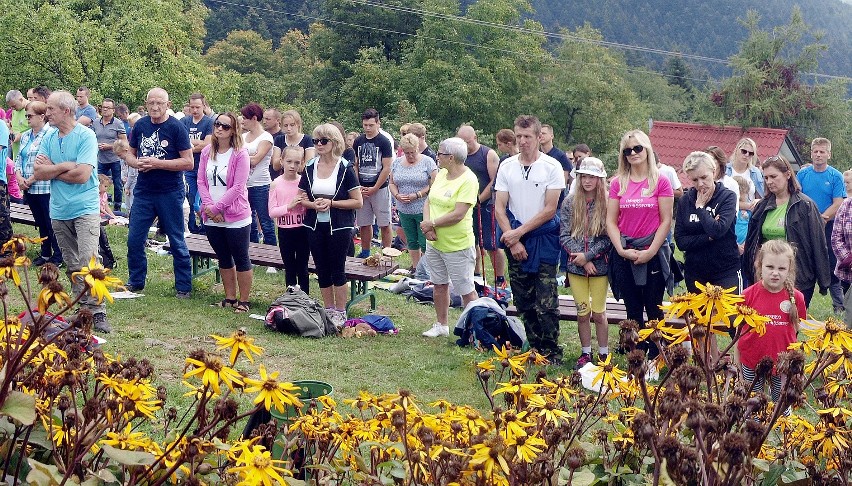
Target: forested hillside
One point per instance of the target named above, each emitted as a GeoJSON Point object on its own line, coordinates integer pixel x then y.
{"type": "Point", "coordinates": [703, 28]}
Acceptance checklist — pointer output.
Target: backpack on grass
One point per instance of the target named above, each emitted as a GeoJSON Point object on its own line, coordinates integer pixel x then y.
{"type": "Point", "coordinates": [298, 314]}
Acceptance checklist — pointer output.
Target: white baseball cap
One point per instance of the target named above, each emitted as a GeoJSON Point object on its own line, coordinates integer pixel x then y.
{"type": "Point", "coordinates": [592, 166]}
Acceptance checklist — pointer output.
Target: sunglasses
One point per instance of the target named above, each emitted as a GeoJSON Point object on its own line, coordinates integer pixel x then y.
{"type": "Point", "coordinates": [320, 141]}
{"type": "Point", "coordinates": [628, 151]}
{"type": "Point", "coordinates": [223, 126]}
{"type": "Point", "coordinates": [747, 152]}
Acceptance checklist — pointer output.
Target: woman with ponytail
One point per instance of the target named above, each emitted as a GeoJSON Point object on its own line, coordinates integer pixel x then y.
{"type": "Point", "coordinates": [775, 297]}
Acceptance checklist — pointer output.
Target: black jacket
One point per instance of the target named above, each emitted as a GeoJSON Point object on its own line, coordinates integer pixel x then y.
{"type": "Point", "coordinates": [805, 231]}
{"type": "Point", "coordinates": [706, 236]}
{"type": "Point", "coordinates": [341, 219]}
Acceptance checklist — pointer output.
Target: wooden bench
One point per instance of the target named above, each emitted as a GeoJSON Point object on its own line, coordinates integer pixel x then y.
{"type": "Point", "coordinates": [615, 311]}
{"type": "Point", "coordinates": [20, 213]}
{"type": "Point", "coordinates": [358, 274]}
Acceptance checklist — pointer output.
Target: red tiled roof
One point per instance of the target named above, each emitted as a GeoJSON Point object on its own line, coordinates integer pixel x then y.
{"type": "Point", "coordinates": [673, 141]}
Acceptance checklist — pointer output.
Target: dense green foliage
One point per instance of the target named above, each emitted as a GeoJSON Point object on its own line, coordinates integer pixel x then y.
{"type": "Point", "coordinates": [440, 62]}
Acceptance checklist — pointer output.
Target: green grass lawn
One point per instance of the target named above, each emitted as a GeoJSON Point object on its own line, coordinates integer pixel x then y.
{"type": "Point", "coordinates": [165, 329]}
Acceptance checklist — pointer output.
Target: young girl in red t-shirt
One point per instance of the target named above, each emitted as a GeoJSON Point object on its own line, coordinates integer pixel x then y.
{"type": "Point", "coordinates": [774, 297]}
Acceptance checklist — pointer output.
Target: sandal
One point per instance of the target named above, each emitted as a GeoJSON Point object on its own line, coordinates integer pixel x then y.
{"type": "Point", "coordinates": [225, 303]}
{"type": "Point", "coordinates": [241, 307]}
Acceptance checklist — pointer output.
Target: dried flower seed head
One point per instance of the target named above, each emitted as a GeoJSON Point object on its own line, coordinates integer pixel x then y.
{"type": "Point", "coordinates": [628, 335]}
{"type": "Point", "coordinates": [146, 369]}
{"type": "Point", "coordinates": [791, 362]}
{"type": "Point", "coordinates": [576, 458]}
{"type": "Point", "coordinates": [637, 363]}
{"type": "Point", "coordinates": [576, 380]}
{"type": "Point", "coordinates": [757, 403]}
{"type": "Point", "coordinates": [670, 405]}
{"type": "Point", "coordinates": [734, 449]}
{"type": "Point", "coordinates": [734, 409]}
{"type": "Point", "coordinates": [398, 419]}
{"type": "Point", "coordinates": [688, 378]}
{"type": "Point", "coordinates": [688, 465]}
{"type": "Point", "coordinates": [643, 427]}
{"type": "Point", "coordinates": [699, 332]}
{"type": "Point", "coordinates": [161, 393]}
{"type": "Point", "coordinates": [197, 354]}
{"type": "Point", "coordinates": [171, 414]}
{"type": "Point", "coordinates": [678, 356]}
{"type": "Point", "coordinates": [764, 367]}
{"type": "Point", "coordinates": [754, 431]}
{"type": "Point", "coordinates": [670, 450]}
{"type": "Point", "coordinates": [48, 273]}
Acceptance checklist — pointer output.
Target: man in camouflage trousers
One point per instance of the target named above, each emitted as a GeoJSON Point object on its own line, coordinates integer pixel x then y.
{"type": "Point", "coordinates": [528, 189]}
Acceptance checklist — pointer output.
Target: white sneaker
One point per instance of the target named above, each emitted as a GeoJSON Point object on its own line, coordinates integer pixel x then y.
{"type": "Point", "coordinates": [437, 330]}
{"type": "Point", "coordinates": [271, 270]}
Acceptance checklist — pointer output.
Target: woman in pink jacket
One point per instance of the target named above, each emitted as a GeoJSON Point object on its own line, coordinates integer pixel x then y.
{"type": "Point", "coordinates": [225, 211]}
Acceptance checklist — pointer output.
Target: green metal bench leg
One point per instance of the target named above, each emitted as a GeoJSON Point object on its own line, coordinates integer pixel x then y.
{"type": "Point", "coordinates": [358, 291]}
{"type": "Point", "coordinates": [202, 265]}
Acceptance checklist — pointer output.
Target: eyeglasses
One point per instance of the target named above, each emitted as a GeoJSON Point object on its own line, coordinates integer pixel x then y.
{"type": "Point", "coordinates": [320, 141]}
{"type": "Point", "coordinates": [30, 115]}
{"type": "Point", "coordinates": [442, 153]}
{"type": "Point", "coordinates": [747, 152]}
{"type": "Point", "coordinates": [223, 126]}
{"type": "Point", "coordinates": [628, 151]}
{"type": "Point", "coordinates": [107, 107]}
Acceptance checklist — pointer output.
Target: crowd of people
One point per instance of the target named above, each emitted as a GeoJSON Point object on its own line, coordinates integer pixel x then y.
{"type": "Point", "coordinates": [753, 225]}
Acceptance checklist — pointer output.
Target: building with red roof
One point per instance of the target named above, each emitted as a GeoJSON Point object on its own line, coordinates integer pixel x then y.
{"type": "Point", "coordinates": [673, 141]}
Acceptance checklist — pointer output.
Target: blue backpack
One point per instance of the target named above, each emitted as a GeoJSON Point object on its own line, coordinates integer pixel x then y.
{"type": "Point", "coordinates": [484, 328]}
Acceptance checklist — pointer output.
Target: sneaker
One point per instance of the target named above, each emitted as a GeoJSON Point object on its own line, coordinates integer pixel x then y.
{"type": "Point", "coordinates": [183, 295]}
{"type": "Point", "coordinates": [437, 330]}
{"type": "Point", "coordinates": [39, 261]}
{"type": "Point", "coordinates": [364, 254]}
{"type": "Point", "coordinates": [337, 317]}
{"type": "Point", "coordinates": [584, 359]}
{"type": "Point", "coordinates": [602, 357]}
{"type": "Point", "coordinates": [271, 270]}
{"type": "Point", "coordinates": [100, 323]}
{"type": "Point", "coordinates": [133, 288]}
{"type": "Point", "coordinates": [554, 360]}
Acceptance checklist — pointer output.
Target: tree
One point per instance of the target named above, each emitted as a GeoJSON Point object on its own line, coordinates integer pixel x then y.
{"type": "Point", "coordinates": [65, 43]}
{"type": "Point", "coordinates": [459, 72]}
{"type": "Point", "coordinates": [586, 96]}
{"type": "Point", "coordinates": [767, 89]}
{"type": "Point", "coordinates": [245, 52]}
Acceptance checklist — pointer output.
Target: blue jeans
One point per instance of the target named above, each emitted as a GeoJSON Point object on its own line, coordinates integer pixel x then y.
{"type": "Point", "coordinates": [258, 197]}
{"type": "Point", "coordinates": [168, 206]}
{"type": "Point", "coordinates": [191, 178]}
{"type": "Point", "coordinates": [113, 169]}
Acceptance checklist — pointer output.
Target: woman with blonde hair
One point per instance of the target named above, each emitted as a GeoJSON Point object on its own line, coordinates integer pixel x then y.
{"type": "Point", "coordinates": [331, 194]}
{"type": "Point", "coordinates": [291, 127]}
{"type": "Point", "coordinates": [786, 213]}
{"type": "Point", "coordinates": [583, 236]}
{"type": "Point", "coordinates": [410, 178]}
{"type": "Point", "coordinates": [745, 163]}
{"type": "Point", "coordinates": [638, 219]}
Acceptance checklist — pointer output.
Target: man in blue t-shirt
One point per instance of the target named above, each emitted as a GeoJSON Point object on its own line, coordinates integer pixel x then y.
{"type": "Point", "coordinates": [85, 113]}
{"type": "Point", "coordinates": [824, 184]}
{"type": "Point", "coordinates": [67, 158]}
{"type": "Point", "coordinates": [200, 130]}
{"type": "Point", "coordinates": [160, 149]}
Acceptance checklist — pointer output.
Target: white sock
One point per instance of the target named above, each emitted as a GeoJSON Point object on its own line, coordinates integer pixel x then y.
{"type": "Point", "coordinates": [587, 350]}
{"type": "Point", "coordinates": [603, 350]}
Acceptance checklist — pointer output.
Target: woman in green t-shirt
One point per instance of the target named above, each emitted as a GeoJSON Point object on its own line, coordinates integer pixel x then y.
{"type": "Point", "coordinates": [785, 213]}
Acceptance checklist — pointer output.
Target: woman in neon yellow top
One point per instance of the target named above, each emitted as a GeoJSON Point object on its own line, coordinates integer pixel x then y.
{"type": "Point", "coordinates": [448, 227]}
{"type": "Point", "coordinates": [786, 213]}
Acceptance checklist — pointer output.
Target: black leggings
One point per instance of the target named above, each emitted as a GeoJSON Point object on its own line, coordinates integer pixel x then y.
{"type": "Point", "coordinates": [231, 246]}
{"type": "Point", "coordinates": [293, 243]}
{"type": "Point", "coordinates": [329, 251]}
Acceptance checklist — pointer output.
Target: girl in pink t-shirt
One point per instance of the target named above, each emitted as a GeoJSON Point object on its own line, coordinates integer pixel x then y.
{"type": "Point", "coordinates": [285, 206]}
{"type": "Point", "coordinates": [774, 297]}
{"type": "Point", "coordinates": [639, 215]}
{"type": "Point", "coordinates": [12, 186]}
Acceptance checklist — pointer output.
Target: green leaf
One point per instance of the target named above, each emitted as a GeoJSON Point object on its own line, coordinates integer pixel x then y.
{"type": "Point", "coordinates": [43, 474]}
{"type": "Point", "coordinates": [293, 481]}
{"type": "Point", "coordinates": [773, 473]}
{"type": "Point", "coordinates": [107, 476]}
{"type": "Point", "coordinates": [761, 465]}
{"type": "Point", "coordinates": [582, 477]}
{"type": "Point", "coordinates": [129, 458]}
{"type": "Point", "coordinates": [20, 407]}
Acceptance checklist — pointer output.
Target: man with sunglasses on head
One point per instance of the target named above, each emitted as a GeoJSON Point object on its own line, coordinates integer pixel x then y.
{"type": "Point", "coordinates": [373, 156]}
{"type": "Point", "coordinates": [824, 184]}
{"type": "Point", "coordinates": [160, 149]}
